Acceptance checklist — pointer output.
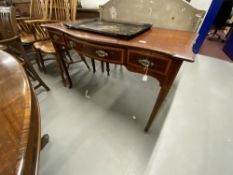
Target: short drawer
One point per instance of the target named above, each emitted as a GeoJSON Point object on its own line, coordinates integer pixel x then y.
{"type": "Point", "coordinates": [99, 52]}
{"type": "Point", "coordinates": [153, 61]}
{"type": "Point", "coordinates": [74, 43]}
{"type": "Point", "coordinates": [57, 37]}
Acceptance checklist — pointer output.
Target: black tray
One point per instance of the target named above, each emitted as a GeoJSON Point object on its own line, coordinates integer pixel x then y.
{"type": "Point", "coordinates": [110, 28]}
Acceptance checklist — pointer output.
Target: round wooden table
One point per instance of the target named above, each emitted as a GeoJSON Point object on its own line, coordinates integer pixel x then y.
{"type": "Point", "coordinates": [20, 130]}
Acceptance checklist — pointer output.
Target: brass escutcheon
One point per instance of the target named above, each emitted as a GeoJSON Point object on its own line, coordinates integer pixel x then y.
{"type": "Point", "coordinates": [146, 63]}
{"type": "Point", "coordinates": [101, 53]}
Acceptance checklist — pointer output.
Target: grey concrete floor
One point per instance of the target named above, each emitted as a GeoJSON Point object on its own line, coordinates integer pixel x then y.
{"type": "Point", "coordinates": [93, 129]}
{"type": "Point", "coordinates": [197, 136]}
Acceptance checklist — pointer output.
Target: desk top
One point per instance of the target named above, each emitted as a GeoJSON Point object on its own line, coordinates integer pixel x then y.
{"type": "Point", "coordinates": [15, 111]}
{"type": "Point", "coordinates": [177, 44]}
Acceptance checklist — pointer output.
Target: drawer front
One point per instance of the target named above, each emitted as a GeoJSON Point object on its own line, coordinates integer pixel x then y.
{"type": "Point", "coordinates": [153, 61]}
{"type": "Point", "coordinates": [75, 44]}
{"type": "Point", "coordinates": [57, 37]}
{"type": "Point", "coordinates": [99, 52]}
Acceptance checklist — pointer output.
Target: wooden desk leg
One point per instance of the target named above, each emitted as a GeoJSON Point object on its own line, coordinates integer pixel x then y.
{"type": "Point", "coordinates": [93, 65]}
{"type": "Point", "coordinates": [102, 66]}
{"type": "Point", "coordinates": [165, 87]}
{"type": "Point", "coordinates": [108, 68]}
{"type": "Point", "coordinates": [65, 69]}
{"type": "Point", "coordinates": [61, 68]}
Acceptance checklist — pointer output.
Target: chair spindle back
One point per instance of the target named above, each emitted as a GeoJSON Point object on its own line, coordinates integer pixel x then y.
{"type": "Point", "coordinates": [38, 9]}
{"type": "Point", "coordinates": [63, 9]}
{"type": "Point", "coordinates": [8, 25]}
{"type": "Point", "coordinates": [10, 35]}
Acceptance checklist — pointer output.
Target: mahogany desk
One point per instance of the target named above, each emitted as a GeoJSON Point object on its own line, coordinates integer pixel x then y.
{"type": "Point", "coordinates": [20, 134]}
{"type": "Point", "coordinates": [161, 50]}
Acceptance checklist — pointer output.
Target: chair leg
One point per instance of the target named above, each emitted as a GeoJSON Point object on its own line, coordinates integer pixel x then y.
{"type": "Point", "coordinates": [30, 75]}
{"type": "Point", "coordinates": [64, 69]}
{"type": "Point", "coordinates": [61, 69]}
{"type": "Point", "coordinates": [85, 61]}
{"type": "Point", "coordinates": [102, 66]}
{"type": "Point", "coordinates": [229, 32]}
{"type": "Point", "coordinates": [93, 65]}
{"type": "Point", "coordinates": [108, 68]}
{"type": "Point", "coordinates": [30, 69]}
{"type": "Point", "coordinates": [42, 61]}
{"type": "Point", "coordinates": [38, 58]}
{"type": "Point", "coordinates": [212, 35]}
{"type": "Point", "coordinates": [69, 56]}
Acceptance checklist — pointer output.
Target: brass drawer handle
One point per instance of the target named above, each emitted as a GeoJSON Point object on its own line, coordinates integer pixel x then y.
{"type": "Point", "coordinates": [146, 63]}
{"type": "Point", "coordinates": [101, 53]}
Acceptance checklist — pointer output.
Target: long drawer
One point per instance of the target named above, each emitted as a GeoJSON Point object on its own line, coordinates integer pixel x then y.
{"type": "Point", "coordinates": [96, 51]}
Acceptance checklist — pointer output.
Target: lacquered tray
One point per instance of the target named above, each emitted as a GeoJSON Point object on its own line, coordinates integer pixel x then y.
{"type": "Point", "coordinates": [110, 28]}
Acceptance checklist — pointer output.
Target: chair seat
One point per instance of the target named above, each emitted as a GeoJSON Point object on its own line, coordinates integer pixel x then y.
{"type": "Point", "coordinates": [27, 39]}
{"type": "Point", "coordinates": [38, 44]}
{"type": "Point", "coordinates": [2, 47]}
{"type": "Point", "coordinates": [45, 46]}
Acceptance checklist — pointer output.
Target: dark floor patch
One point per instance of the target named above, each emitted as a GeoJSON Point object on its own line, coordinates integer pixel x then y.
{"type": "Point", "coordinates": [214, 49]}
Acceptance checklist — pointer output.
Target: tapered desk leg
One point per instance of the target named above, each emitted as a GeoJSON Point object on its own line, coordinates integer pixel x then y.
{"type": "Point", "coordinates": [162, 95]}
{"type": "Point", "coordinates": [93, 65]}
{"type": "Point", "coordinates": [65, 70]}
{"type": "Point", "coordinates": [102, 66]}
{"type": "Point", "coordinates": [108, 68]}
{"type": "Point", "coordinates": [165, 87]}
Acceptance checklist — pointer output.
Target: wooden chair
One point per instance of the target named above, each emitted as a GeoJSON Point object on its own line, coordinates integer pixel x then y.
{"type": "Point", "coordinates": [59, 10]}
{"type": "Point", "coordinates": [10, 39]}
{"type": "Point", "coordinates": [62, 10]}
{"type": "Point", "coordinates": [38, 11]}
{"type": "Point", "coordinates": [5, 2]}
{"type": "Point", "coordinates": [43, 46]}
{"type": "Point", "coordinates": [59, 13]}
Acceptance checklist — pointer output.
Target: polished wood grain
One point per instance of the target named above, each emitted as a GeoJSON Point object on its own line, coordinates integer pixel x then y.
{"type": "Point", "coordinates": [158, 63]}
{"type": "Point", "coordinates": [102, 53]}
{"type": "Point", "coordinates": [174, 43]}
{"type": "Point", "coordinates": [20, 134]}
{"type": "Point", "coordinates": [157, 52]}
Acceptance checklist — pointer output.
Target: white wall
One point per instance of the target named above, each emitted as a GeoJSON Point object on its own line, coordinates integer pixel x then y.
{"type": "Point", "coordinates": [201, 4]}
{"type": "Point", "coordinates": [92, 4]}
